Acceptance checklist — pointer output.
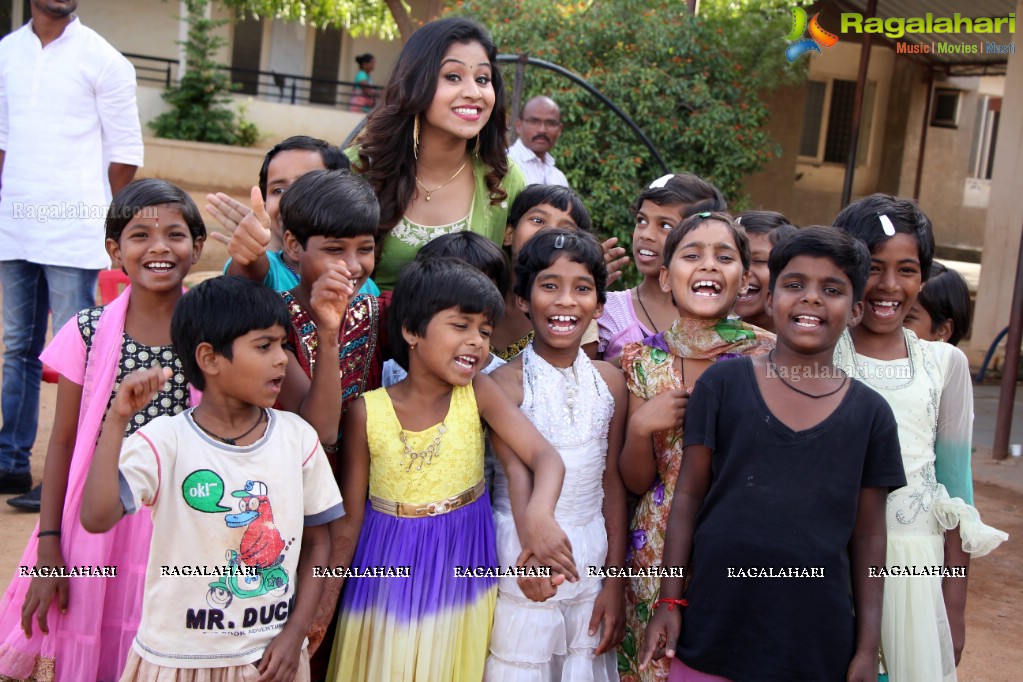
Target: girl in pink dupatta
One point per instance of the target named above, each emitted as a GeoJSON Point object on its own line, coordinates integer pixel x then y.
{"type": "Point", "coordinates": [81, 628]}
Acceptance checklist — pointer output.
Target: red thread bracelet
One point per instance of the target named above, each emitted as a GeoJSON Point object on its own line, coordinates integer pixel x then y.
{"type": "Point", "coordinates": [681, 603]}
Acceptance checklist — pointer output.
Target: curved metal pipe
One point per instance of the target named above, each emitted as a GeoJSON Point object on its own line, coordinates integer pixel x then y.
{"type": "Point", "coordinates": [578, 80]}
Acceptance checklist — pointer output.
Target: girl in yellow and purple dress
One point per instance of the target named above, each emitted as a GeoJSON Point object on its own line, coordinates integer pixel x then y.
{"type": "Point", "coordinates": [418, 446]}
{"type": "Point", "coordinates": [706, 264]}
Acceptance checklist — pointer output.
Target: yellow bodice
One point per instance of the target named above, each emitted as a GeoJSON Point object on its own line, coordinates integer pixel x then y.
{"type": "Point", "coordinates": [456, 463]}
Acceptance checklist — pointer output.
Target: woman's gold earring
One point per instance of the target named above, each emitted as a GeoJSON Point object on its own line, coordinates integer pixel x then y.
{"type": "Point", "coordinates": [476, 150]}
{"type": "Point", "coordinates": [415, 138]}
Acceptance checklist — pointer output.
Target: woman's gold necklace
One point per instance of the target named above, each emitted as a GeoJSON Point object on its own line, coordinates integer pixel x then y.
{"type": "Point", "coordinates": [431, 191]}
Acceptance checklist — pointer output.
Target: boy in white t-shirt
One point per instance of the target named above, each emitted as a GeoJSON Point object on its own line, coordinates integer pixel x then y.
{"type": "Point", "coordinates": [240, 495]}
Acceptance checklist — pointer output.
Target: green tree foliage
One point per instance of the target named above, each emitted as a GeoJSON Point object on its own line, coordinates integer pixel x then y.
{"type": "Point", "coordinates": [200, 99]}
{"type": "Point", "coordinates": [693, 85]}
{"type": "Point", "coordinates": [385, 19]}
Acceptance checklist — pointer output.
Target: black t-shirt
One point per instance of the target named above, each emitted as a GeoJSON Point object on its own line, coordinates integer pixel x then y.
{"type": "Point", "coordinates": [781, 503]}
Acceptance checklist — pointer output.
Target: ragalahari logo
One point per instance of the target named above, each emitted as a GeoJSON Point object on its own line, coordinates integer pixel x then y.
{"type": "Point", "coordinates": [818, 36]}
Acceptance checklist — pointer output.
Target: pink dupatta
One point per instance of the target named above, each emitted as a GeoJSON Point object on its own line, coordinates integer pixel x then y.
{"type": "Point", "coordinates": [92, 640]}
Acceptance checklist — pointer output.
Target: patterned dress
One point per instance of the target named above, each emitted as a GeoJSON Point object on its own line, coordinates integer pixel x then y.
{"type": "Point", "coordinates": [359, 354]}
{"type": "Point", "coordinates": [92, 640]}
{"type": "Point", "coordinates": [433, 624]}
{"type": "Point", "coordinates": [649, 368]}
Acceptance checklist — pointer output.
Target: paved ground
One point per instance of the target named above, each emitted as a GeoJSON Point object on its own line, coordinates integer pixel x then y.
{"type": "Point", "coordinates": [1009, 472]}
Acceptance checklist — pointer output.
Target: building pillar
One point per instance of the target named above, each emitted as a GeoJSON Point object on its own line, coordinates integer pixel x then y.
{"type": "Point", "coordinates": [1004, 214]}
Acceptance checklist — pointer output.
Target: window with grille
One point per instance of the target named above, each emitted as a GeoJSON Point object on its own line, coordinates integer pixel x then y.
{"type": "Point", "coordinates": [827, 121]}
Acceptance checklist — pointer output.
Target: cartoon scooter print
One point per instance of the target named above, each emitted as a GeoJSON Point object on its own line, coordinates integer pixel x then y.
{"type": "Point", "coordinates": [261, 547]}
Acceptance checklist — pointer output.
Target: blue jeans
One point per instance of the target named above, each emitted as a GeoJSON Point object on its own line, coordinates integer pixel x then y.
{"type": "Point", "coordinates": [30, 291]}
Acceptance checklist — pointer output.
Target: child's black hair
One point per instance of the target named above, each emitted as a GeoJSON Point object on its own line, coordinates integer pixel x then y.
{"type": "Point", "coordinates": [849, 254]}
{"type": "Point", "coordinates": [476, 250]}
{"type": "Point", "coordinates": [862, 219]}
{"type": "Point", "coordinates": [217, 312]}
{"type": "Point", "coordinates": [334, 204]}
{"type": "Point", "coordinates": [561, 198]}
{"type": "Point", "coordinates": [550, 244]}
{"type": "Point", "coordinates": [426, 287]}
{"type": "Point", "coordinates": [137, 196]}
{"type": "Point", "coordinates": [683, 188]}
{"type": "Point", "coordinates": [333, 157]}
{"type": "Point", "coordinates": [679, 232]}
{"type": "Point", "coordinates": [775, 225]}
{"type": "Point", "coordinates": [947, 297]}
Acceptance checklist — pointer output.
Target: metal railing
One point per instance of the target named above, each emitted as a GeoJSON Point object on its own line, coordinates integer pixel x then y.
{"type": "Point", "coordinates": [271, 86]}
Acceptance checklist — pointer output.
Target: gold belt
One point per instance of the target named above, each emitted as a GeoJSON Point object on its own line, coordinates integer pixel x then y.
{"type": "Point", "coordinates": [444, 506]}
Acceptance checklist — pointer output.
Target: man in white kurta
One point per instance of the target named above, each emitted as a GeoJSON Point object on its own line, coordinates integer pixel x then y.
{"type": "Point", "coordinates": [69, 134]}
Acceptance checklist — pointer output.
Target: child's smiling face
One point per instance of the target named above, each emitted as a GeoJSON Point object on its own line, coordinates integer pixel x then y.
{"type": "Point", "coordinates": [562, 303]}
{"type": "Point", "coordinates": [894, 284]}
{"type": "Point", "coordinates": [453, 347]}
{"type": "Point", "coordinates": [358, 254]}
{"type": "Point", "coordinates": [812, 304]}
{"type": "Point", "coordinates": [705, 272]}
{"type": "Point", "coordinates": [156, 248]}
{"type": "Point", "coordinates": [750, 305]}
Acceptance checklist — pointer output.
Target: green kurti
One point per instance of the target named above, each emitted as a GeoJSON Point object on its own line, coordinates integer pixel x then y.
{"type": "Point", "coordinates": [403, 242]}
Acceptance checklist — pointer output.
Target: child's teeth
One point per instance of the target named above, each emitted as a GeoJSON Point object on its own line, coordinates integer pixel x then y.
{"type": "Point", "coordinates": [885, 308]}
{"type": "Point", "coordinates": [562, 323]}
{"type": "Point", "coordinates": [646, 254]}
{"type": "Point", "coordinates": [704, 285]}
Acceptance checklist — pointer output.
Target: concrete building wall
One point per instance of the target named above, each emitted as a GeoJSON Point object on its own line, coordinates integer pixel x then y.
{"type": "Point", "coordinates": [956, 203]}
{"type": "Point", "coordinates": [771, 188]}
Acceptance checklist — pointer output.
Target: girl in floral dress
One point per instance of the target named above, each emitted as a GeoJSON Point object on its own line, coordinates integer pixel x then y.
{"type": "Point", "coordinates": [706, 264]}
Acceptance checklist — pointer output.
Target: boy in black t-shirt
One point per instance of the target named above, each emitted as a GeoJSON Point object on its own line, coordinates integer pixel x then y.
{"type": "Point", "coordinates": [780, 504]}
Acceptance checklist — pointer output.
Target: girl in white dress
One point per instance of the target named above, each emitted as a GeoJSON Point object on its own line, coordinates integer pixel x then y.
{"type": "Point", "coordinates": [546, 629]}
{"type": "Point", "coordinates": [933, 529]}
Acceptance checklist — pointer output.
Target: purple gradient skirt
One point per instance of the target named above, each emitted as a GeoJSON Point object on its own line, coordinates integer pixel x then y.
{"type": "Point", "coordinates": [433, 624]}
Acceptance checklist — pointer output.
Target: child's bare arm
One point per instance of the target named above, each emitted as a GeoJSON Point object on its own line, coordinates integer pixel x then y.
{"type": "Point", "coordinates": [280, 660]}
{"type": "Point", "coordinates": [647, 417]}
{"type": "Point", "coordinates": [693, 482]}
{"type": "Point", "coordinates": [344, 532]}
{"type": "Point", "coordinates": [610, 603]}
{"type": "Point", "coordinates": [520, 487]}
{"type": "Point", "coordinates": [546, 539]}
{"type": "Point", "coordinates": [318, 400]}
{"type": "Point", "coordinates": [41, 591]}
{"type": "Point", "coordinates": [101, 501]}
{"type": "Point", "coordinates": [953, 589]}
{"type": "Point", "coordinates": [867, 548]}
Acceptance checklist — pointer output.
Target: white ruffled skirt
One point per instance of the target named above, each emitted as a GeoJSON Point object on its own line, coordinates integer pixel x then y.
{"type": "Point", "coordinates": [549, 641]}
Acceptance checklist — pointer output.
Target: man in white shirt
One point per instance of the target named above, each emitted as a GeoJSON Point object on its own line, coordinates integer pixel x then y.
{"type": "Point", "coordinates": [69, 135]}
{"type": "Point", "coordinates": [538, 129]}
